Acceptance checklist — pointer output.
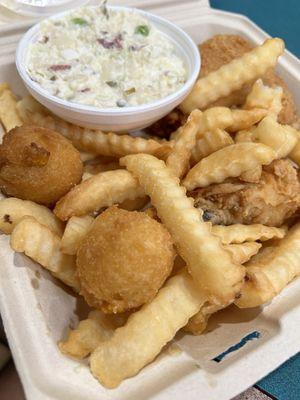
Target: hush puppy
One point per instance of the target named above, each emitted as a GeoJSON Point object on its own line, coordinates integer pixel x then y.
{"type": "Point", "coordinates": [38, 164]}
{"type": "Point", "coordinates": [124, 260]}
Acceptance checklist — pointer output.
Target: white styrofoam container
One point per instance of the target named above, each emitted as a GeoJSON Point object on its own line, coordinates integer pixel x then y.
{"type": "Point", "coordinates": [37, 311]}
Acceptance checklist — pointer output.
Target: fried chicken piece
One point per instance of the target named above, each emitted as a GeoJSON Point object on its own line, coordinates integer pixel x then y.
{"type": "Point", "coordinates": [220, 50]}
{"type": "Point", "coordinates": [123, 260]}
{"type": "Point", "coordinates": [168, 124]}
{"type": "Point", "coordinates": [271, 201]}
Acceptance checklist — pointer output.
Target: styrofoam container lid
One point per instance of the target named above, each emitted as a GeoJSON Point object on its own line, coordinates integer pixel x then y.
{"type": "Point", "coordinates": [40, 8]}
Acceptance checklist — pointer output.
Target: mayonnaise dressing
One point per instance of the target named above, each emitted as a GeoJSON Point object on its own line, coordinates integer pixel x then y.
{"type": "Point", "coordinates": [105, 58]}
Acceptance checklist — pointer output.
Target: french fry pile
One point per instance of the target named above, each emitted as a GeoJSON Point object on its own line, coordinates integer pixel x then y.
{"type": "Point", "coordinates": [214, 145]}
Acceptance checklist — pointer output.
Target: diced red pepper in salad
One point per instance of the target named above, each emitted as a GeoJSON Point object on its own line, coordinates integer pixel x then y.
{"type": "Point", "coordinates": [60, 67]}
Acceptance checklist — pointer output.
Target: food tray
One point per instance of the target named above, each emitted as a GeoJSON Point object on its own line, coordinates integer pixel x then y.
{"type": "Point", "coordinates": [37, 311]}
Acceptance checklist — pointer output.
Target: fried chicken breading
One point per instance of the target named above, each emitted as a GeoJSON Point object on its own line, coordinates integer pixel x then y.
{"type": "Point", "coordinates": [220, 50]}
{"type": "Point", "coordinates": [168, 124]}
{"type": "Point", "coordinates": [271, 201]}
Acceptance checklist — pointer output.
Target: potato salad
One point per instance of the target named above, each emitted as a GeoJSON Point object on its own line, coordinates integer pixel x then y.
{"type": "Point", "coordinates": [106, 58]}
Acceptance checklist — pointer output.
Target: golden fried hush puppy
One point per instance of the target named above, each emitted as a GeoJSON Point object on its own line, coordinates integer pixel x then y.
{"type": "Point", "coordinates": [123, 260]}
{"type": "Point", "coordinates": [220, 50]}
{"type": "Point", "coordinates": [38, 164]}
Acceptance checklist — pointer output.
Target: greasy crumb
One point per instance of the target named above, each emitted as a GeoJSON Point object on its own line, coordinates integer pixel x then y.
{"type": "Point", "coordinates": [35, 283]}
{"type": "Point", "coordinates": [37, 274]}
{"type": "Point", "coordinates": [7, 219]}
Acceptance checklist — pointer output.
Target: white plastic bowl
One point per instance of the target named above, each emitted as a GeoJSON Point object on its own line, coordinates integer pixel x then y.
{"type": "Point", "coordinates": [116, 119]}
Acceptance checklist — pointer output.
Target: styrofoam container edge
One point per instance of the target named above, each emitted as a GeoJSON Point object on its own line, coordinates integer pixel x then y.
{"type": "Point", "coordinates": [35, 319]}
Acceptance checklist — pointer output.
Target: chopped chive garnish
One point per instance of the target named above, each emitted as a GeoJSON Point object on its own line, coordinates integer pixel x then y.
{"type": "Point", "coordinates": [79, 21]}
{"type": "Point", "coordinates": [104, 9]}
{"type": "Point", "coordinates": [142, 30]}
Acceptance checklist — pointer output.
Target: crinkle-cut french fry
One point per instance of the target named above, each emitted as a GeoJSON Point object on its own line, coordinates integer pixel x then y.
{"type": "Point", "coordinates": [96, 141]}
{"type": "Point", "coordinates": [245, 119]}
{"type": "Point", "coordinates": [252, 176]}
{"type": "Point", "coordinates": [29, 104]}
{"type": "Point", "coordinates": [102, 190]}
{"type": "Point", "coordinates": [75, 231]}
{"type": "Point", "coordinates": [295, 153]}
{"type": "Point", "coordinates": [178, 159]}
{"type": "Point", "coordinates": [267, 278]}
{"type": "Point", "coordinates": [197, 324]}
{"type": "Point", "coordinates": [245, 136]}
{"type": "Point", "coordinates": [37, 118]}
{"type": "Point", "coordinates": [174, 134]}
{"type": "Point", "coordinates": [87, 156]}
{"type": "Point", "coordinates": [209, 263]}
{"type": "Point", "coordinates": [215, 118]}
{"type": "Point", "coordinates": [9, 116]}
{"type": "Point", "coordinates": [210, 142]}
{"type": "Point", "coordinates": [146, 332]}
{"type": "Point", "coordinates": [43, 246]}
{"type": "Point", "coordinates": [4, 86]}
{"type": "Point", "coordinates": [262, 96]}
{"type": "Point", "coordinates": [234, 75]}
{"type": "Point", "coordinates": [265, 254]}
{"type": "Point", "coordinates": [163, 152]}
{"type": "Point", "coordinates": [239, 233]}
{"type": "Point", "coordinates": [12, 210]}
{"type": "Point", "coordinates": [231, 120]}
{"type": "Point", "coordinates": [242, 252]}
{"type": "Point", "coordinates": [89, 333]}
{"type": "Point", "coordinates": [229, 162]}
{"type": "Point", "coordinates": [281, 138]}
